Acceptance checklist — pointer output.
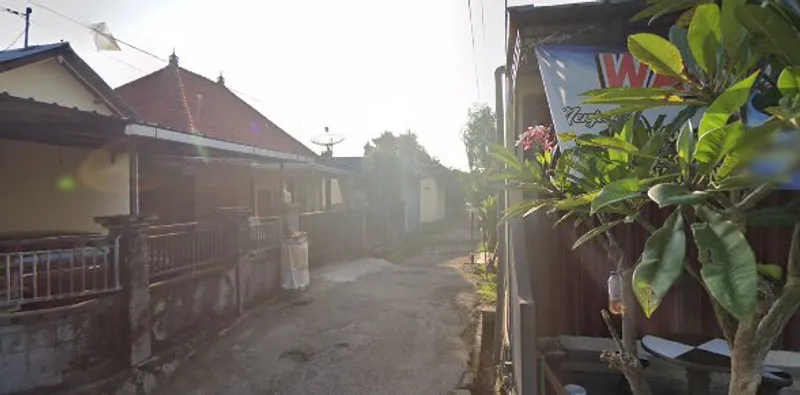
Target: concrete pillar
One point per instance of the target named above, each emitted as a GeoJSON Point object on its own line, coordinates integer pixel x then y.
{"type": "Point", "coordinates": [135, 281]}
{"type": "Point", "coordinates": [327, 187]}
{"type": "Point", "coordinates": [291, 217]}
{"type": "Point", "coordinates": [236, 222]}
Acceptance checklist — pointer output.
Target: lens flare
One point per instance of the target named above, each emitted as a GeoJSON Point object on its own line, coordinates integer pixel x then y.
{"type": "Point", "coordinates": [66, 183]}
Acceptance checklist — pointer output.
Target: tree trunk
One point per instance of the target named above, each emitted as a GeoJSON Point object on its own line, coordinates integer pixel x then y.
{"type": "Point", "coordinates": [747, 359]}
{"type": "Point", "coordinates": [637, 382]}
{"type": "Point", "coordinates": [628, 318]}
{"type": "Point", "coordinates": [745, 371]}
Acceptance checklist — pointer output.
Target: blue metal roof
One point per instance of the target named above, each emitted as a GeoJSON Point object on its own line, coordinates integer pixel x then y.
{"type": "Point", "coordinates": [21, 53]}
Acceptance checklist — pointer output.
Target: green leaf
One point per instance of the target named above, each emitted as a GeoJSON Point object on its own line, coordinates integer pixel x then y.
{"type": "Point", "coordinates": [782, 39]}
{"type": "Point", "coordinates": [727, 104]}
{"type": "Point", "coordinates": [789, 81]}
{"type": "Point", "coordinates": [684, 146]}
{"type": "Point", "coordinates": [705, 37]}
{"type": "Point", "coordinates": [565, 217]}
{"type": "Point", "coordinates": [627, 109]}
{"type": "Point", "coordinates": [713, 147]}
{"type": "Point", "coordinates": [626, 135]}
{"type": "Point", "coordinates": [661, 263]}
{"type": "Point", "coordinates": [606, 142]}
{"type": "Point", "coordinates": [686, 18]}
{"type": "Point", "coordinates": [525, 208]}
{"type": "Point", "coordinates": [737, 182]}
{"type": "Point", "coordinates": [615, 192]}
{"type": "Point", "coordinates": [733, 32]}
{"type": "Point", "coordinates": [662, 7]}
{"type": "Point", "coordinates": [728, 264]}
{"type": "Point", "coordinates": [591, 234]}
{"type": "Point", "coordinates": [644, 164]}
{"type": "Point", "coordinates": [507, 157]}
{"type": "Point", "coordinates": [774, 272]}
{"type": "Point", "coordinates": [729, 164]}
{"type": "Point", "coordinates": [630, 92]}
{"type": "Point", "coordinates": [658, 53]}
{"type": "Point", "coordinates": [668, 194]}
{"type": "Point", "coordinates": [679, 37]}
{"type": "Point", "coordinates": [574, 202]}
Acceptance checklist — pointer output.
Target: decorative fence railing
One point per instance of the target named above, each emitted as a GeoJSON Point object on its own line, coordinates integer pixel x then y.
{"type": "Point", "coordinates": [50, 268]}
{"type": "Point", "coordinates": [264, 233]}
{"type": "Point", "coordinates": [179, 248]}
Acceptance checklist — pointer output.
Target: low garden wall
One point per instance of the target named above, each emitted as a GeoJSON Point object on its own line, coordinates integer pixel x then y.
{"type": "Point", "coordinates": [43, 350]}
{"type": "Point", "coordinates": [183, 305]}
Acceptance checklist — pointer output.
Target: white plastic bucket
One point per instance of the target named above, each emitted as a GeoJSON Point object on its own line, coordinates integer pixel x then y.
{"type": "Point", "coordinates": [575, 389]}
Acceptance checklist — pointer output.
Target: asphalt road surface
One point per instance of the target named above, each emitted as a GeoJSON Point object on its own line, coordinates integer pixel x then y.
{"type": "Point", "coordinates": [365, 327]}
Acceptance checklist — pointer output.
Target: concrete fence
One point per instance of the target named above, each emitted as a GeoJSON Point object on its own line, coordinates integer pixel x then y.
{"type": "Point", "coordinates": [177, 284]}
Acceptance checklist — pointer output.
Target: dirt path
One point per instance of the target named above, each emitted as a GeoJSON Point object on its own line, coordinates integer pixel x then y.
{"type": "Point", "coordinates": [371, 327]}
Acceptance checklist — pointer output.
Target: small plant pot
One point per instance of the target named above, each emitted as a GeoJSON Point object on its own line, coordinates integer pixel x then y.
{"type": "Point", "coordinates": [623, 387]}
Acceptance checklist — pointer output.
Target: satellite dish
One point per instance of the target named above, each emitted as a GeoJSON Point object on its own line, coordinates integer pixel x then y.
{"type": "Point", "coordinates": [327, 140]}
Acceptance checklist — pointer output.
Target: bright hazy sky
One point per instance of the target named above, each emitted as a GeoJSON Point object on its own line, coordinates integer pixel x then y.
{"type": "Point", "coordinates": [357, 66]}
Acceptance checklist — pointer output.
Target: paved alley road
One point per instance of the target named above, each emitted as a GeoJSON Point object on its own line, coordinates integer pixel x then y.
{"type": "Point", "coordinates": [371, 327]}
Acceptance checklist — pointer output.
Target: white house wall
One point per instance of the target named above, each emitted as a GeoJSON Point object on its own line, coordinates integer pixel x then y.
{"type": "Point", "coordinates": [336, 192]}
{"type": "Point", "coordinates": [431, 206]}
{"type": "Point", "coordinates": [50, 82]}
{"type": "Point", "coordinates": [57, 188]}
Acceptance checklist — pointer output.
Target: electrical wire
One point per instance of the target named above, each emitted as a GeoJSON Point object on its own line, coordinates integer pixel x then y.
{"type": "Point", "coordinates": [10, 11]}
{"type": "Point", "coordinates": [15, 40]}
{"type": "Point", "coordinates": [240, 93]}
{"type": "Point", "coordinates": [483, 24]}
{"type": "Point", "coordinates": [120, 61]}
{"type": "Point", "coordinates": [474, 53]}
{"type": "Point", "coordinates": [96, 31]}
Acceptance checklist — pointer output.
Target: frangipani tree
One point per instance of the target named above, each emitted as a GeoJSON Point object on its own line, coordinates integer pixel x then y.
{"type": "Point", "coordinates": [705, 175]}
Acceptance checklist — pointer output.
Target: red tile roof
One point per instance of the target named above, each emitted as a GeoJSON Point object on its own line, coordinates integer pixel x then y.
{"type": "Point", "coordinates": [179, 99]}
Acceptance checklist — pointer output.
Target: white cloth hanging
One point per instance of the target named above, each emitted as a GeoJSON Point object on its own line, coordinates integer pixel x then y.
{"type": "Point", "coordinates": [103, 39]}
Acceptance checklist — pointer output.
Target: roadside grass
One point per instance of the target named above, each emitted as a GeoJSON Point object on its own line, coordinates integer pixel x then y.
{"type": "Point", "coordinates": [487, 287]}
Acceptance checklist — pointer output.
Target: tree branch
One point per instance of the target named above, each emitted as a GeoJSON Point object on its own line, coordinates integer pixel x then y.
{"type": "Point", "coordinates": [624, 361]}
{"type": "Point", "coordinates": [754, 197]}
{"type": "Point", "coordinates": [646, 224]}
{"type": "Point", "coordinates": [612, 330]}
{"type": "Point", "coordinates": [771, 326]}
{"type": "Point", "coordinates": [723, 201]}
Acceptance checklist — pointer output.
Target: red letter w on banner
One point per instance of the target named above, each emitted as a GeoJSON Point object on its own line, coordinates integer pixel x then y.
{"type": "Point", "coordinates": [618, 70]}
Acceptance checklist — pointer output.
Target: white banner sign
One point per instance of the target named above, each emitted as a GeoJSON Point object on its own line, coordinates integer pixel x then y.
{"type": "Point", "coordinates": [568, 71]}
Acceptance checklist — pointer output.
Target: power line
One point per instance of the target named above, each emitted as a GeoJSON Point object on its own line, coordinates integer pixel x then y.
{"type": "Point", "coordinates": [474, 54]}
{"type": "Point", "coordinates": [118, 60]}
{"type": "Point", "coordinates": [98, 32]}
{"type": "Point", "coordinates": [483, 24]}
{"type": "Point", "coordinates": [10, 11]}
{"type": "Point", "coordinates": [15, 40]}
{"type": "Point", "coordinates": [240, 93]}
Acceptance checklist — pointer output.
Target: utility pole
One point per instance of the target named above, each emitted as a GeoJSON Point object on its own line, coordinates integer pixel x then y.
{"type": "Point", "coordinates": [28, 12]}
{"type": "Point", "coordinates": [26, 15]}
